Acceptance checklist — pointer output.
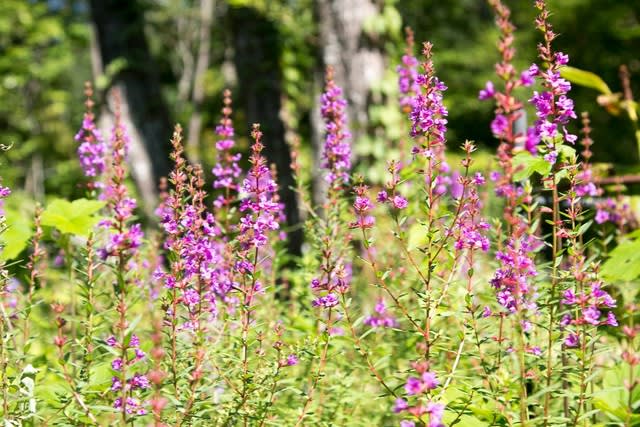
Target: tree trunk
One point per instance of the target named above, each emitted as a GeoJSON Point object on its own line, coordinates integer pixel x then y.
{"type": "Point", "coordinates": [119, 29]}
{"type": "Point", "coordinates": [357, 62]}
{"type": "Point", "coordinates": [256, 56]}
{"type": "Point", "coordinates": [202, 64]}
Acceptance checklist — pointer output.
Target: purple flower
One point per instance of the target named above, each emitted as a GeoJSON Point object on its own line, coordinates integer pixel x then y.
{"type": "Point", "coordinates": [226, 172]}
{"type": "Point", "coordinates": [337, 150]}
{"type": "Point", "coordinates": [478, 179]}
{"type": "Point", "coordinates": [511, 280]}
{"type": "Point", "coordinates": [116, 364]}
{"type": "Point", "coordinates": [407, 423]}
{"type": "Point", "coordinates": [569, 298]}
{"type": "Point", "coordinates": [327, 301]}
{"type": "Point", "coordinates": [587, 189]}
{"type": "Point", "coordinates": [292, 360]}
{"type": "Point", "coordinates": [413, 386]}
{"type": "Point", "coordinates": [456, 189]}
{"type": "Point", "coordinates": [191, 297]}
{"type": "Point", "coordinates": [488, 92]}
{"type": "Point", "coordinates": [407, 80]}
{"type": "Point", "coordinates": [400, 405]}
{"type": "Point", "coordinates": [139, 381]}
{"type": "Point", "coordinates": [436, 412]}
{"type": "Point", "coordinates": [133, 406]}
{"type": "Point", "coordinates": [134, 342]}
{"type": "Point", "coordinates": [561, 58]}
{"type": "Point", "coordinates": [470, 229]}
{"type": "Point", "coordinates": [572, 340]}
{"type": "Point", "coordinates": [429, 380]}
{"type": "Point", "coordinates": [382, 318]}
{"type": "Point", "coordinates": [592, 315]}
{"type": "Point", "coordinates": [115, 384]}
{"type": "Point", "coordinates": [362, 206]}
{"type": "Point", "coordinates": [553, 108]}
{"type": "Point", "coordinates": [527, 78]}
{"type": "Point", "coordinates": [602, 216]}
{"type": "Point", "coordinates": [399, 202]}
{"type": "Point", "coordinates": [259, 205]}
{"type": "Point", "coordinates": [536, 351]}
{"type": "Point", "coordinates": [611, 319]}
{"type": "Point", "coordinates": [428, 114]}
{"type": "Point", "coordinates": [499, 126]}
{"type": "Point", "coordinates": [92, 149]}
{"type": "Point", "coordinates": [551, 157]}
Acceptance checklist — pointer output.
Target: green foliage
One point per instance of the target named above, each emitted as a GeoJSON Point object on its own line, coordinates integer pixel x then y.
{"type": "Point", "coordinates": [613, 397]}
{"type": "Point", "coordinates": [624, 261]}
{"type": "Point", "coordinates": [585, 78]}
{"type": "Point", "coordinates": [16, 237]}
{"type": "Point", "coordinates": [76, 217]}
{"type": "Point", "coordinates": [525, 165]}
{"type": "Point", "coordinates": [43, 63]}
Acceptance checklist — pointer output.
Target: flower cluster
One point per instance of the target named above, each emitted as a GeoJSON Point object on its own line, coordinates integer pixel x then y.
{"type": "Point", "coordinates": [511, 280]}
{"type": "Point", "coordinates": [615, 211]}
{"type": "Point", "coordinates": [408, 75]}
{"type": "Point", "coordinates": [585, 185]}
{"type": "Point", "coordinates": [428, 114]}
{"type": "Point", "coordinates": [129, 355]}
{"type": "Point", "coordinates": [260, 202]}
{"type": "Point", "coordinates": [418, 387]}
{"type": "Point", "coordinates": [587, 306]}
{"type": "Point", "coordinates": [198, 271]}
{"type": "Point", "coordinates": [123, 237]}
{"type": "Point", "coordinates": [226, 171]}
{"type": "Point", "coordinates": [508, 113]}
{"type": "Point", "coordinates": [553, 107]}
{"type": "Point", "coordinates": [335, 281]}
{"type": "Point", "coordinates": [362, 207]}
{"type": "Point", "coordinates": [337, 150]}
{"type": "Point", "coordinates": [382, 318]}
{"type": "Point", "coordinates": [92, 149]}
{"type": "Point", "coordinates": [390, 195]}
{"type": "Point", "coordinates": [469, 229]}
{"type": "Point", "coordinates": [123, 240]}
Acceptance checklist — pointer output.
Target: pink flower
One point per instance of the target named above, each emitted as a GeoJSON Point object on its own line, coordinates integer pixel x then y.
{"type": "Point", "coordinates": [292, 360]}
{"type": "Point", "coordinates": [572, 340]}
{"type": "Point", "coordinates": [488, 92]}
{"type": "Point", "coordinates": [399, 202]}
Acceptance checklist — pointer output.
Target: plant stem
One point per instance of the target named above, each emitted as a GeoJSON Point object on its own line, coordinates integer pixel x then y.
{"type": "Point", "coordinates": [552, 297]}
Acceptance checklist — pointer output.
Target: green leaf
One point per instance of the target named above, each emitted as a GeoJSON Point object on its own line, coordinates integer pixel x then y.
{"type": "Point", "coordinates": [526, 165]}
{"type": "Point", "coordinates": [417, 236]}
{"type": "Point", "coordinates": [392, 19]}
{"type": "Point", "coordinates": [585, 78]}
{"type": "Point", "coordinates": [624, 262]}
{"type": "Point", "coordinates": [16, 237]}
{"type": "Point", "coordinates": [75, 217]}
{"type": "Point", "coordinates": [566, 152]}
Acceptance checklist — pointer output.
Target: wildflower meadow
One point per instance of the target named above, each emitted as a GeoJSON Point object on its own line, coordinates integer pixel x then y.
{"type": "Point", "coordinates": [460, 290]}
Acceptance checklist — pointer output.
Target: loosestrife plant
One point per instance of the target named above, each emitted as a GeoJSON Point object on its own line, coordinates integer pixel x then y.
{"type": "Point", "coordinates": [410, 305]}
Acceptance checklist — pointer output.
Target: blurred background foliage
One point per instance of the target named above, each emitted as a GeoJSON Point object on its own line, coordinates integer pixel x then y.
{"type": "Point", "coordinates": [46, 50]}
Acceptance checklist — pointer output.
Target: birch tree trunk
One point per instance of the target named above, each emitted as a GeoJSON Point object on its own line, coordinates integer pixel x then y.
{"type": "Point", "coordinates": [357, 64]}
{"type": "Point", "coordinates": [119, 30]}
